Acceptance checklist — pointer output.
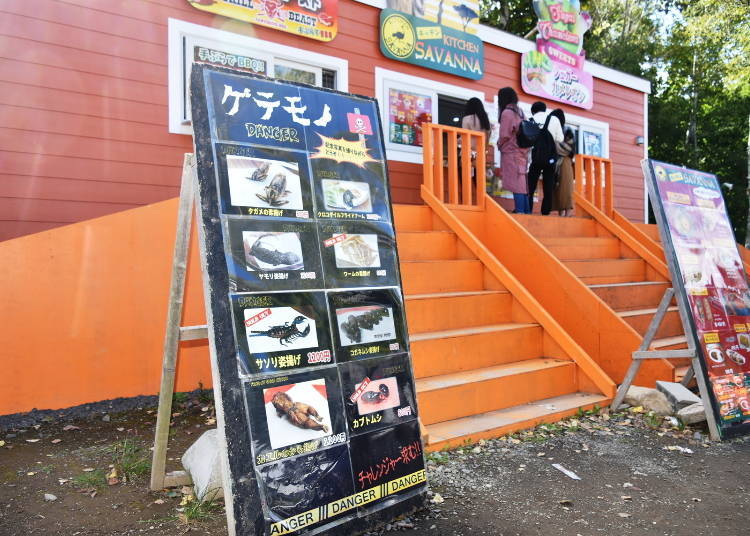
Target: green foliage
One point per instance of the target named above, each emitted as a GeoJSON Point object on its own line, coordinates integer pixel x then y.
{"type": "Point", "coordinates": [94, 479]}
{"type": "Point", "coordinates": [130, 459]}
{"type": "Point", "coordinates": [513, 16]}
{"type": "Point", "coordinates": [195, 510]}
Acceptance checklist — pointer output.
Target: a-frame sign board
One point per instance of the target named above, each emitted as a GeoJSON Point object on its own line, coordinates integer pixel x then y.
{"type": "Point", "coordinates": [710, 285]}
{"type": "Point", "coordinates": [316, 405]}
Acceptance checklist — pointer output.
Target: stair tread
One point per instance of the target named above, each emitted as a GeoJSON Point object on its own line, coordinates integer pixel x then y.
{"type": "Point", "coordinates": [454, 379]}
{"type": "Point", "coordinates": [668, 341]}
{"type": "Point", "coordinates": [475, 330]}
{"type": "Point", "coordinates": [628, 284]}
{"type": "Point", "coordinates": [565, 240]}
{"type": "Point", "coordinates": [484, 422]}
{"type": "Point", "coordinates": [453, 294]}
{"type": "Point", "coordinates": [437, 231]}
{"type": "Point", "coordinates": [604, 259]}
{"type": "Point", "coordinates": [440, 261]}
{"type": "Point", "coordinates": [645, 311]}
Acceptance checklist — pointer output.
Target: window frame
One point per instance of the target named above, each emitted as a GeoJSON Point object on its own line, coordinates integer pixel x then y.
{"type": "Point", "coordinates": [183, 36]}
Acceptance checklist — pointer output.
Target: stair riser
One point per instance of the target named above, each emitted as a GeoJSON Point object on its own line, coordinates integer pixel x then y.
{"type": "Point", "coordinates": [671, 325]}
{"type": "Point", "coordinates": [455, 354]}
{"type": "Point", "coordinates": [435, 445]}
{"type": "Point", "coordinates": [441, 276]}
{"type": "Point", "coordinates": [631, 297]}
{"type": "Point", "coordinates": [558, 227]}
{"type": "Point", "coordinates": [412, 217]}
{"type": "Point", "coordinates": [609, 268]}
{"type": "Point", "coordinates": [437, 314]}
{"type": "Point", "coordinates": [479, 397]}
{"type": "Point", "coordinates": [598, 251]}
{"type": "Point", "coordinates": [426, 246]}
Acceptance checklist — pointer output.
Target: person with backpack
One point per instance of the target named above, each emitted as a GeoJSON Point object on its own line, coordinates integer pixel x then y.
{"type": "Point", "coordinates": [513, 159]}
{"type": "Point", "coordinates": [544, 154]}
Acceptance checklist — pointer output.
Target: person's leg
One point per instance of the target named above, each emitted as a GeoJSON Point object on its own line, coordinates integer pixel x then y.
{"type": "Point", "coordinates": [548, 188]}
{"type": "Point", "coordinates": [532, 180]}
{"type": "Point", "coordinates": [527, 204]}
{"type": "Point", "coordinates": [520, 203]}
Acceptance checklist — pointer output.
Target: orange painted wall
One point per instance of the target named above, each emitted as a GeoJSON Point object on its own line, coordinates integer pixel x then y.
{"type": "Point", "coordinates": [83, 106]}
{"type": "Point", "coordinates": [84, 308]}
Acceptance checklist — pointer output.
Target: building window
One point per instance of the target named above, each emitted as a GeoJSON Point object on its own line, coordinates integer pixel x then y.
{"type": "Point", "coordinates": [406, 102]}
{"type": "Point", "coordinates": [190, 43]}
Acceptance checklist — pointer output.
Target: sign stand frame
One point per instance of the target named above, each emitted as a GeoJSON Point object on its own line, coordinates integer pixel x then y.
{"type": "Point", "coordinates": [174, 332]}
{"type": "Point", "coordinates": [643, 353]}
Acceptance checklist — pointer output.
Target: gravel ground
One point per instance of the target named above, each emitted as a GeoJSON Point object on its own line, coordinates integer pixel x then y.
{"type": "Point", "coordinates": [637, 476]}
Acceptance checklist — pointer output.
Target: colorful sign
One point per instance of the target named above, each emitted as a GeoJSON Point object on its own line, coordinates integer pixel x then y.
{"type": "Point", "coordinates": [406, 113]}
{"type": "Point", "coordinates": [709, 278]}
{"type": "Point", "coordinates": [306, 314]}
{"type": "Point", "coordinates": [414, 40]}
{"type": "Point", "coordinates": [316, 19]}
{"type": "Point", "coordinates": [554, 70]}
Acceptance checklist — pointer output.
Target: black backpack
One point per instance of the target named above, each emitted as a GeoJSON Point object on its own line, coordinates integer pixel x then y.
{"type": "Point", "coordinates": [544, 152]}
{"type": "Point", "coordinates": [528, 133]}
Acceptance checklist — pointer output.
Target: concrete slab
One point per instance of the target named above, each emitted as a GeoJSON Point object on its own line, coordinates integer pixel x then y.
{"type": "Point", "coordinates": [679, 395]}
{"type": "Point", "coordinates": [201, 461]}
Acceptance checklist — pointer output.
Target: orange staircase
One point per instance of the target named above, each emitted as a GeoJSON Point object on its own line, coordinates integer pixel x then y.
{"type": "Point", "coordinates": [487, 358]}
{"type": "Point", "coordinates": [612, 270]}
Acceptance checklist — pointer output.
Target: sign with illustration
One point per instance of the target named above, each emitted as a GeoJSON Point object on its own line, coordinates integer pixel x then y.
{"type": "Point", "coordinates": [316, 19]}
{"type": "Point", "coordinates": [554, 70]}
{"type": "Point", "coordinates": [709, 278]}
{"type": "Point", "coordinates": [407, 36]}
{"type": "Point", "coordinates": [306, 314]}
{"type": "Point", "coordinates": [407, 111]}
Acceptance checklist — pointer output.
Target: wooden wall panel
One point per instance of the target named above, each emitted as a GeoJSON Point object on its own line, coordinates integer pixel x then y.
{"type": "Point", "coordinates": [83, 105]}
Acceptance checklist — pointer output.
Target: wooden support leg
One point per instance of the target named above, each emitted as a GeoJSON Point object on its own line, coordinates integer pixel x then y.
{"type": "Point", "coordinates": [174, 317]}
{"type": "Point", "coordinates": [625, 385]}
{"type": "Point", "coordinates": [688, 376]}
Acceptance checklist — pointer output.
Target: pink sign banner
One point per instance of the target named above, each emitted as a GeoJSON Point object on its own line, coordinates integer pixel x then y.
{"type": "Point", "coordinates": [555, 70]}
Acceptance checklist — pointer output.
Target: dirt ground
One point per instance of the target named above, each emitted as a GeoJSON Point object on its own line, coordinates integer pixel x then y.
{"type": "Point", "coordinates": [633, 479]}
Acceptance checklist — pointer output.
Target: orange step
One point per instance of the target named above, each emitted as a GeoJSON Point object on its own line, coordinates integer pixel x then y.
{"type": "Point", "coordinates": [456, 310]}
{"type": "Point", "coordinates": [590, 247]}
{"type": "Point", "coordinates": [412, 218]}
{"type": "Point", "coordinates": [426, 245]}
{"type": "Point", "coordinates": [632, 295]}
{"type": "Point", "coordinates": [452, 396]}
{"type": "Point", "coordinates": [669, 343]}
{"type": "Point", "coordinates": [608, 270]}
{"type": "Point", "coordinates": [496, 423]}
{"type": "Point", "coordinates": [640, 319]}
{"type": "Point", "coordinates": [444, 352]}
{"type": "Point", "coordinates": [424, 277]}
{"type": "Point", "coordinates": [553, 226]}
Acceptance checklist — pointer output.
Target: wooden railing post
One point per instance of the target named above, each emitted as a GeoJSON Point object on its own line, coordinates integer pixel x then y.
{"type": "Point", "coordinates": [466, 143]}
{"type": "Point", "coordinates": [453, 167]}
{"type": "Point", "coordinates": [427, 147]}
{"type": "Point", "coordinates": [438, 164]}
{"type": "Point", "coordinates": [480, 171]}
{"type": "Point", "coordinates": [598, 185]}
{"type": "Point", "coordinates": [609, 192]}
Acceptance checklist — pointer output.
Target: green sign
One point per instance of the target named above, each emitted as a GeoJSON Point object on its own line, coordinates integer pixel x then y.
{"type": "Point", "coordinates": [407, 38]}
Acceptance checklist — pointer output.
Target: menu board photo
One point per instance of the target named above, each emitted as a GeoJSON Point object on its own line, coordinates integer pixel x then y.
{"type": "Point", "coordinates": [312, 371]}
{"type": "Point", "coordinates": [710, 283]}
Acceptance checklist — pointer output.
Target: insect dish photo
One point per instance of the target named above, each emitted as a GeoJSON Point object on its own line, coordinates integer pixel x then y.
{"type": "Point", "coordinates": [269, 252]}
{"type": "Point", "coordinates": [357, 251]}
{"type": "Point", "coordinates": [349, 196]}
{"type": "Point", "coordinates": [257, 182]}
{"type": "Point", "coordinates": [297, 412]}
{"type": "Point", "coordinates": [365, 324]}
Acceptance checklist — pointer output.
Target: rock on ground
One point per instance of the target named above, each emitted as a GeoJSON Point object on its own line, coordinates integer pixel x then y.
{"type": "Point", "coordinates": [679, 395]}
{"type": "Point", "coordinates": [650, 399]}
{"type": "Point", "coordinates": [203, 463]}
{"type": "Point", "coordinates": [692, 414]}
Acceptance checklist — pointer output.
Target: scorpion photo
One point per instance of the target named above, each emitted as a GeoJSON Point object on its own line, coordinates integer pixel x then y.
{"type": "Point", "coordinates": [286, 332]}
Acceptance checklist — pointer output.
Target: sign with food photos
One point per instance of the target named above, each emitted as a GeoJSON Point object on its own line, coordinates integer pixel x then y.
{"type": "Point", "coordinates": [710, 283]}
{"type": "Point", "coordinates": [315, 391]}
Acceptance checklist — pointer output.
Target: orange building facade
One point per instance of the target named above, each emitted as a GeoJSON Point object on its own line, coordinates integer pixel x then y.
{"type": "Point", "coordinates": [94, 114]}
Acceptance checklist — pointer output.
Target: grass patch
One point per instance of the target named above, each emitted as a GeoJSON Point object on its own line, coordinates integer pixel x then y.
{"type": "Point", "coordinates": [131, 460]}
{"type": "Point", "coordinates": [94, 479]}
{"type": "Point", "coordinates": [197, 511]}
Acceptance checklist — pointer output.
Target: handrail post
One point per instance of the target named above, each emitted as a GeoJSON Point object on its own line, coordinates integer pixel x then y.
{"type": "Point", "coordinates": [438, 165]}
{"type": "Point", "coordinates": [598, 184]}
{"type": "Point", "coordinates": [466, 175]}
{"type": "Point", "coordinates": [427, 145]}
{"type": "Point", "coordinates": [480, 171]}
{"type": "Point", "coordinates": [609, 192]}
{"type": "Point", "coordinates": [452, 167]}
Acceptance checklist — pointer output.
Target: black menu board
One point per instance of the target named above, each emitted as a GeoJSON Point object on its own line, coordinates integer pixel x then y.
{"type": "Point", "coordinates": [710, 284]}
{"type": "Point", "coordinates": [310, 353]}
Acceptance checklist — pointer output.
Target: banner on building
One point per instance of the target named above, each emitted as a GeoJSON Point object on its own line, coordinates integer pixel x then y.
{"type": "Point", "coordinates": [305, 310]}
{"type": "Point", "coordinates": [316, 19]}
{"type": "Point", "coordinates": [710, 283]}
{"type": "Point", "coordinates": [554, 70]}
{"type": "Point", "coordinates": [439, 36]}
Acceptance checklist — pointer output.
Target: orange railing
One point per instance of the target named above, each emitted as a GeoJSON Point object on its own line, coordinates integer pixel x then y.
{"type": "Point", "coordinates": [594, 182]}
{"type": "Point", "coordinates": [453, 182]}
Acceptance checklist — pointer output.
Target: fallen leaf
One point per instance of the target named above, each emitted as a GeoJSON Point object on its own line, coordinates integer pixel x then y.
{"type": "Point", "coordinates": [32, 440]}
{"type": "Point", "coordinates": [2, 443]}
{"type": "Point", "coordinates": [56, 441]}
{"type": "Point", "coordinates": [88, 469]}
{"type": "Point", "coordinates": [623, 514]}
{"type": "Point", "coordinates": [626, 497]}
{"type": "Point", "coordinates": [437, 499]}
{"type": "Point", "coordinates": [627, 485]}
{"type": "Point", "coordinates": [31, 473]}
{"type": "Point", "coordinates": [112, 477]}
{"type": "Point", "coordinates": [63, 480]}
{"type": "Point", "coordinates": [159, 501]}
{"type": "Point", "coordinates": [70, 427]}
